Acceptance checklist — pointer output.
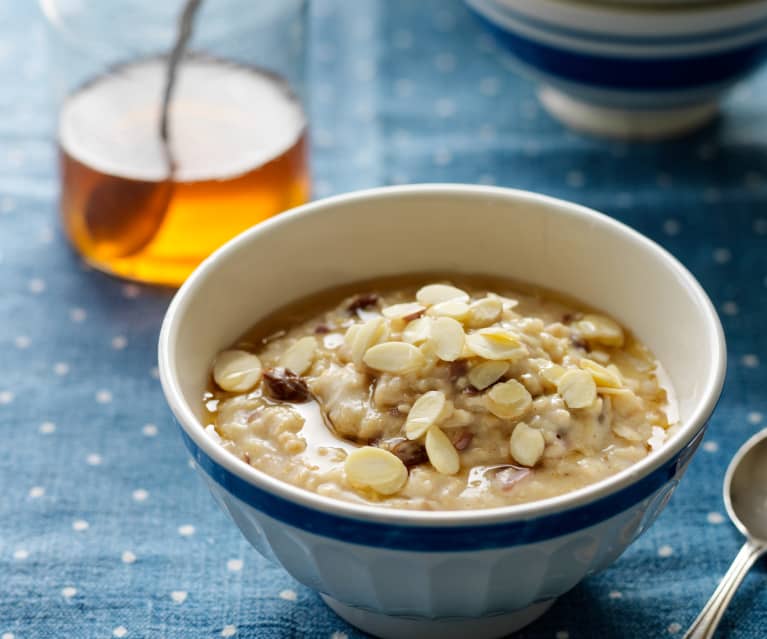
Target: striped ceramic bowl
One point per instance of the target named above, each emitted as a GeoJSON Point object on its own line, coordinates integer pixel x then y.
{"type": "Point", "coordinates": [482, 573]}
{"type": "Point", "coordinates": [627, 70]}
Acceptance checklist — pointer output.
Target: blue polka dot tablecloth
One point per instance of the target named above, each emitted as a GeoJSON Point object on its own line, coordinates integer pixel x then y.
{"type": "Point", "coordinates": [106, 531]}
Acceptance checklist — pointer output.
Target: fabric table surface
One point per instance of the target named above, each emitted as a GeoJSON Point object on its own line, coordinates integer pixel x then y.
{"type": "Point", "coordinates": [105, 530]}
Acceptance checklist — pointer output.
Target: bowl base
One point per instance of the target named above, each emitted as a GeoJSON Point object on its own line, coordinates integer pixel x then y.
{"type": "Point", "coordinates": [390, 627]}
{"type": "Point", "coordinates": [648, 124]}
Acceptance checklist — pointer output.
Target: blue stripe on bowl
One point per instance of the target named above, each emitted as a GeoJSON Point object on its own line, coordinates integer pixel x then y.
{"type": "Point", "coordinates": [657, 74]}
{"type": "Point", "coordinates": [650, 40]}
{"type": "Point", "coordinates": [435, 538]}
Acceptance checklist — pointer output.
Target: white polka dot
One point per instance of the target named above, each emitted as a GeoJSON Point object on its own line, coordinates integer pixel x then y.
{"type": "Point", "coordinates": [78, 315]}
{"type": "Point", "coordinates": [755, 417]}
{"type": "Point", "coordinates": [6, 397]}
{"type": "Point", "coordinates": [489, 86]}
{"type": "Point", "coordinates": [22, 342]}
{"type": "Point", "coordinates": [131, 291]}
{"type": "Point", "coordinates": [710, 447]}
{"type": "Point", "coordinates": [575, 179]}
{"type": "Point", "coordinates": [119, 342]}
{"type": "Point", "coordinates": [339, 635]}
{"type": "Point", "coordinates": [403, 88]}
{"type": "Point", "coordinates": [487, 133]}
{"type": "Point", "coordinates": [68, 592]}
{"type": "Point", "coordinates": [562, 634]}
{"type": "Point", "coordinates": [154, 372]}
{"type": "Point", "coordinates": [36, 491]}
{"type": "Point", "coordinates": [722, 255]}
{"type": "Point", "coordinates": [403, 39]}
{"type": "Point", "coordinates": [61, 368]}
{"type": "Point", "coordinates": [730, 308]}
{"type": "Point", "coordinates": [80, 525]}
{"type": "Point", "coordinates": [750, 360]}
{"type": "Point", "coordinates": [706, 151]}
{"type": "Point", "coordinates": [7, 635]}
{"type": "Point", "coordinates": [7, 204]}
{"type": "Point", "coordinates": [94, 459]}
{"type": "Point", "coordinates": [712, 195]}
{"type": "Point", "coordinates": [673, 628]}
{"type": "Point", "coordinates": [624, 200]}
{"type": "Point", "coordinates": [760, 226]}
{"type": "Point", "coordinates": [234, 565]}
{"type": "Point", "coordinates": [140, 495]}
{"type": "Point", "coordinates": [36, 285]}
{"type": "Point", "coordinates": [187, 530]}
{"type": "Point", "coordinates": [444, 107]}
{"type": "Point", "coordinates": [445, 62]}
{"type": "Point", "coordinates": [20, 554]}
{"type": "Point", "coordinates": [615, 594]}
{"type": "Point", "coordinates": [229, 631]}
{"type": "Point", "coordinates": [487, 179]}
{"type": "Point", "coordinates": [442, 157]}
{"type": "Point", "coordinates": [671, 227]}
{"type": "Point", "coordinates": [179, 596]}
{"type": "Point", "coordinates": [149, 430]}
{"type": "Point", "coordinates": [288, 595]}
{"type": "Point", "coordinates": [128, 557]}
{"type": "Point", "coordinates": [103, 397]}
{"type": "Point", "coordinates": [715, 518]}
{"type": "Point", "coordinates": [120, 631]}
{"type": "Point", "coordinates": [47, 428]}
{"type": "Point", "coordinates": [665, 551]}
{"type": "Point", "coordinates": [664, 180]}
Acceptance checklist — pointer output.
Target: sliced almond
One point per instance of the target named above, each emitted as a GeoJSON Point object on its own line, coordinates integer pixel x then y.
{"type": "Point", "coordinates": [457, 309]}
{"type": "Point", "coordinates": [625, 431]}
{"type": "Point", "coordinates": [495, 343]}
{"type": "Point", "coordinates": [602, 376]}
{"type": "Point", "coordinates": [507, 302]}
{"type": "Point", "coordinates": [447, 339]}
{"type": "Point", "coordinates": [370, 332]}
{"type": "Point", "coordinates": [600, 329]}
{"type": "Point", "coordinates": [577, 388]}
{"type": "Point", "coordinates": [417, 331]}
{"type": "Point", "coordinates": [526, 444]}
{"type": "Point", "coordinates": [237, 371]}
{"type": "Point", "coordinates": [507, 400]}
{"type": "Point", "coordinates": [487, 373]}
{"type": "Point", "coordinates": [484, 312]}
{"type": "Point", "coordinates": [394, 357]}
{"type": "Point", "coordinates": [428, 409]}
{"type": "Point", "coordinates": [552, 373]}
{"type": "Point", "coordinates": [436, 293]}
{"type": "Point", "coordinates": [376, 468]}
{"type": "Point", "coordinates": [401, 311]}
{"type": "Point", "coordinates": [441, 452]}
{"type": "Point", "coordinates": [299, 357]}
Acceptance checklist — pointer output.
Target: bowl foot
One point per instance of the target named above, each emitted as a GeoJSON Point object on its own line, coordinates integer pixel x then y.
{"type": "Point", "coordinates": [390, 627]}
{"type": "Point", "coordinates": [649, 124]}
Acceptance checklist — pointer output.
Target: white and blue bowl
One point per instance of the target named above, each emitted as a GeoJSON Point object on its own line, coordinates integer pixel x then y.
{"type": "Point", "coordinates": [644, 71]}
{"type": "Point", "coordinates": [482, 573]}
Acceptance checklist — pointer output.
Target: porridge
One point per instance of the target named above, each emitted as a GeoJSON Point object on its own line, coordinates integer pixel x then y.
{"type": "Point", "coordinates": [472, 393]}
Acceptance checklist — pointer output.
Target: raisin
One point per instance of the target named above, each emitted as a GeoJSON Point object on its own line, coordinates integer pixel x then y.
{"type": "Point", "coordinates": [413, 316]}
{"type": "Point", "coordinates": [246, 457]}
{"type": "Point", "coordinates": [462, 439]}
{"type": "Point", "coordinates": [321, 329]}
{"type": "Point", "coordinates": [567, 318]}
{"type": "Point", "coordinates": [457, 369]}
{"type": "Point", "coordinates": [363, 301]}
{"type": "Point", "coordinates": [284, 385]}
{"type": "Point", "coordinates": [411, 453]}
{"type": "Point", "coordinates": [579, 342]}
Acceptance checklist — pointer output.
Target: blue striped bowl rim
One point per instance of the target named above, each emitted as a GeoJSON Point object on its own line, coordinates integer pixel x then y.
{"type": "Point", "coordinates": [452, 538]}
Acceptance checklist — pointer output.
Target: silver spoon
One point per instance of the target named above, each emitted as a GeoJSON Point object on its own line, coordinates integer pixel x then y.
{"type": "Point", "coordinates": [745, 497]}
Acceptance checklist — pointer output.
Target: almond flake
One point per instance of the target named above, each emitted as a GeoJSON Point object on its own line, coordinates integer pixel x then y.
{"type": "Point", "coordinates": [600, 329]}
{"type": "Point", "coordinates": [526, 444]}
{"type": "Point", "coordinates": [299, 357]}
{"type": "Point", "coordinates": [376, 468]}
{"type": "Point", "coordinates": [495, 343]}
{"type": "Point", "coordinates": [394, 357]}
{"type": "Point", "coordinates": [484, 312]}
{"type": "Point", "coordinates": [507, 400]}
{"type": "Point", "coordinates": [427, 410]}
{"type": "Point", "coordinates": [237, 371]}
{"type": "Point", "coordinates": [447, 338]}
{"type": "Point", "coordinates": [417, 331]}
{"type": "Point", "coordinates": [456, 309]}
{"type": "Point", "coordinates": [442, 454]}
{"type": "Point", "coordinates": [401, 311]}
{"type": "Point", "coordinates": [487, 373]}
{"type": "Point", "coordinates": [436, 293]}
{"type": "Point", "coordinates": [577, 388]}
{"type": "Point", "coordinates": [369, 333]}
{"type": "Point", "coordinates": [602, 376]}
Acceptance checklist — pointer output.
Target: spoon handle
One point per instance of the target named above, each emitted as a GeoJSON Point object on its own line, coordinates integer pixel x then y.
{"type": "Point", "coordinates": [705, 625]}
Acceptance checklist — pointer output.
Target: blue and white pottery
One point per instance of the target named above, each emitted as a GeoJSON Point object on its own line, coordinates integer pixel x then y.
{"type": "Point", "coordinates": [444, 574]}
{"type": "Point", "coordinates": [630, 71]}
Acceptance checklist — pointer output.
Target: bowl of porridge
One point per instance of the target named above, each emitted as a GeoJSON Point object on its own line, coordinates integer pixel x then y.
{"type": "Point", "coordinates": [441, 406]}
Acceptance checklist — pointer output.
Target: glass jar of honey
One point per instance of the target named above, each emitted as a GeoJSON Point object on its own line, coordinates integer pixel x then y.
{"type": "Point", "coordinates": [236, 127]}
